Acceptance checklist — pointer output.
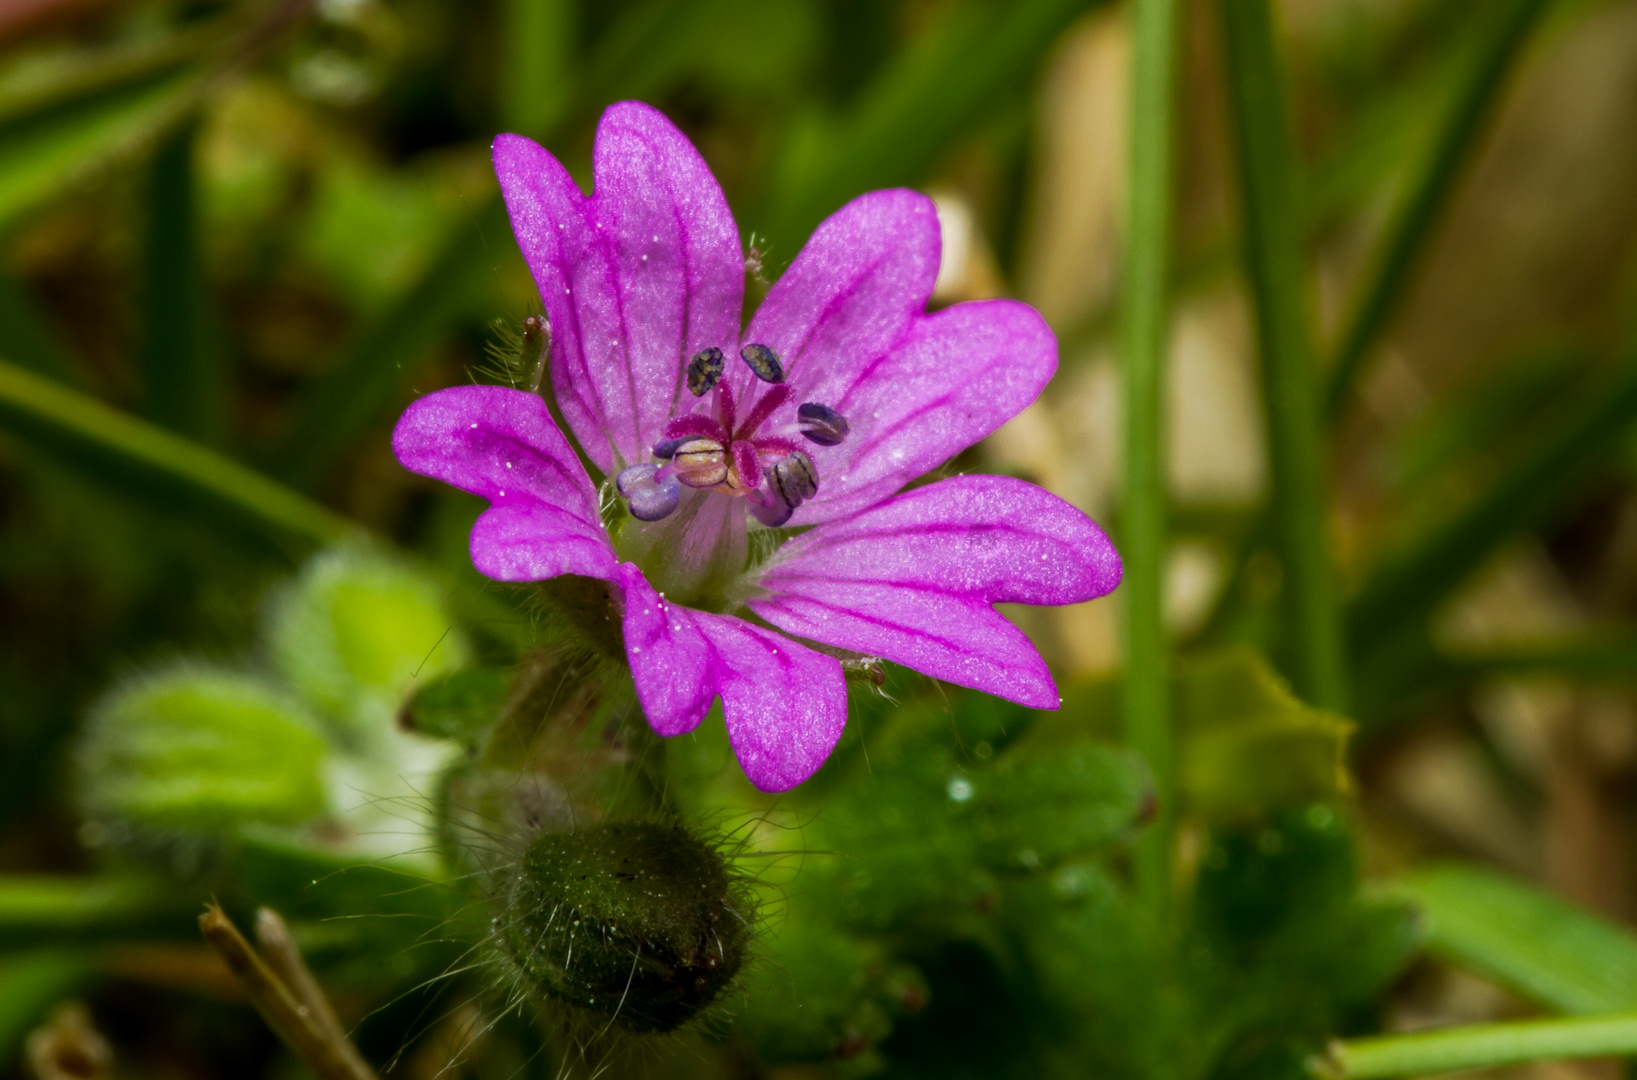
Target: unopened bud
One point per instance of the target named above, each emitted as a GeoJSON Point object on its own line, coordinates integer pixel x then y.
{"type": "Point", "coordinates": [639, 922]}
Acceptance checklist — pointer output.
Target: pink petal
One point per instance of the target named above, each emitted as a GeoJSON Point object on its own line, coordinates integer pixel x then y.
{"type": "Point", "coordinates": [676, 251]}
{"type": "Point", "coordinates": [913, 579]}
{"type": "Point", "coordinates": [501, 445]}
{"type": "Point", "coordinates": [574, 272]}
{"type": "Point", "coordinates": [852, 291]}
{"type": "Point", "coordinates": [635, 279]}
{"type": "Point", "coordinates": [783, 703]}
{"type": "Point", "coordinates": [956, 377]}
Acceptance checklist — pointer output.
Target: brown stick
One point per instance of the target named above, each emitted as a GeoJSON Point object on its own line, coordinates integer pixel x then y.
{"type": "Point", "coordinates": [326, 1052]}
{"type": "Point", "coordinates": [278, 948]}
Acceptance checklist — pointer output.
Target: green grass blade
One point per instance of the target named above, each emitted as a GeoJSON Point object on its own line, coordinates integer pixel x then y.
{"type": "Point", "coordinates": [180, 385]}
{"type": "Point", "coordinates": [1546, 949]}
{"type": "Point", "coordinates": [1273, 255]}
{"type": "Point", "coordinates": [931, 94]}
{"type": "Point", "coordinates": [172, 472]}
{"type": "Point", "coordinates": [1407, 589]}
{"type": "Point", "coordinates": [1429, 192]}
{"type": "Point", "coordinates": [40, 910]}
{"type": "Point", "coordinates": [1143, 544]}
{"type": "Point", "coordinates": [1482, 1046]}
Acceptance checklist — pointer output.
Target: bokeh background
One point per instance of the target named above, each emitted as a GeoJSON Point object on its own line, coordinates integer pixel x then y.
{"type": "Point", "coordinates": [268, 226]}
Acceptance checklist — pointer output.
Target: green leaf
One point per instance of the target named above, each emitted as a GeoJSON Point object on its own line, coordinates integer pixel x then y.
{"type": "Point", "coordinates": [922, 828]}
{"type": "Point", "coordinates": [1249, 744]}
{"type": "Point", "coordinates": [357, 630]}
{"type": "Point", "coordinates": [1543, 947]}
{"type": "Point", "coordinates": [1274, 260]}
{"type": "Point", "coordinates": [201, 750]}
{"type": "Point", "coordinates": [1481, 1046]}
{"type": "Point", "coordinates": [166, 470]}
{"type": "Point", "coordinates": [461, 706]}
{"type": "Point", "coordinates": [823, 994]}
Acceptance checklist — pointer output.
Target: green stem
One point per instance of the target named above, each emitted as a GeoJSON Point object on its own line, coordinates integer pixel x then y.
{"type": "Point", "coordinates": [1407, 235]}
{"type": "Point", "coordinates": [83, 427]}
{"type": "Point", "coordinates": [1273, 256]}
{"type": "Point", "coordinates": [1147, 708]}
{"type": "Point", "coordinates": [1480, 1047]}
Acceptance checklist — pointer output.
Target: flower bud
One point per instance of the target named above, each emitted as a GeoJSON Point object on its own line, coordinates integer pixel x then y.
{"type": "Point", "coordinates": [639, 922]}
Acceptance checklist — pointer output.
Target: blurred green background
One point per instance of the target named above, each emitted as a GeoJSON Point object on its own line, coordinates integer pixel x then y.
{"type": "Point", "coordinates": [236, 239]}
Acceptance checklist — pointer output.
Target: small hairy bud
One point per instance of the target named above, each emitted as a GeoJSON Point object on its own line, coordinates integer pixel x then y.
{"type": "Point", "coordinates": [636, 921]}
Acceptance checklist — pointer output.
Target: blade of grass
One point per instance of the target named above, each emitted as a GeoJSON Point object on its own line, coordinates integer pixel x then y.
{"type": "Point", "coordinates": [1273, 255]}
{"type": "Point", "coordinates": [1481, 1046]}
{"type": "Point", "coordinates": [173, 472]}
{"type": "Point", "coordinates": [179, 383]}
{"type": "Point", "coordinates": [1147, 262]}
{"type": "Point", "coordinates": [1429, 192]}
{"type": "Point", "coordinates": [37, 911]}
{"type": "Point", "coordinates": [1407, 589]}
{"type": "Point", "coordinates": [1548, 950]}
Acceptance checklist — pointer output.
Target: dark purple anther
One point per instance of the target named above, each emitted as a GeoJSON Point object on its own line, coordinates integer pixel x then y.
{"type": "Point", "coordinates": [665, 450]}
{"type": "Point", "coordinates": [704, 371]}
{"type": "Point", "coordinates": [794, 479]}
{"type": "Point", "coordinates": [764, 362]}
{"type": "Point", "coordinates": [821, 424]}
{"type": "Point", "coordinates": [649, 495]}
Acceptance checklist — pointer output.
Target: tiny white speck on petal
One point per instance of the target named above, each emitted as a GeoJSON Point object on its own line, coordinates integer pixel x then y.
{"type": "Point", "coordinates": [509, 465]}
{"type": "Point", "coordinates": [656, 238]}
{"type": "Point", "coordinates": [474, 425]}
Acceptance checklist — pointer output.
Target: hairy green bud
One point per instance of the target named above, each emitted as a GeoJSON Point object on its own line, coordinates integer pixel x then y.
{"type": "Point", "coordinates": [640, 922]}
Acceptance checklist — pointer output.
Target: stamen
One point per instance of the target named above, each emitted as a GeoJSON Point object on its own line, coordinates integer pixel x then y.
{"type": "Point", "coordinates": [665, 449]}
{"type": "Point", "coordinates": [685, 427]}
{"type": "Point", "coordinates": [773, 446]}
{"type": "Point", "coordinates": [651, 496]}
{"type": "Point", "coordinates": [704, 371]}
{"type": "Point", "coordinates": [822, 424]}
{"type": "Point", "coordinates": [770, 510]}
{"type": "Point", "coordinates": [794, 479]}
{"type": "Point", "coordinates": [763, 409]}
{"type": "Point", "coordinates": [746, 465]}
{"type": "Point", "coordinates": [764, 362]}
{"type": "Point", "coordinates": [700, 462]}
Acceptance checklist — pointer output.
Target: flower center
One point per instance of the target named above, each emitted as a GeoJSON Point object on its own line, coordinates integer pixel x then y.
{"type": "Point", "coordinates": [719, 452]}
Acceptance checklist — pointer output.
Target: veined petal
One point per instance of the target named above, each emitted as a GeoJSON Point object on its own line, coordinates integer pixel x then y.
{"type": "Point", "coordinates": [914, 579]}
{"type": "Point", "coordinates": [635, 279]}
{"type": "Point", "coordinates": [677, 258]}
{"type": "Point", "coordinates": [574, 271]}
{"type": "Point", "coordinates": [956, 376]}
{"type": "Point", "coordinates": [852, 291]}
{"type": "Point", "coordinates": [784, 704]}
{"type": "Point", "coordinates": [501, 445]}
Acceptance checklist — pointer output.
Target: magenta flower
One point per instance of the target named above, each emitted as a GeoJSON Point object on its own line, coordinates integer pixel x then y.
{"type": "Point", "coordinates": [803, 428]}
